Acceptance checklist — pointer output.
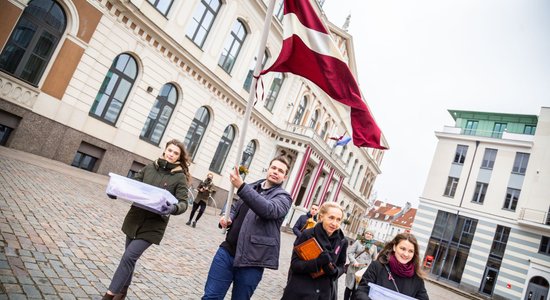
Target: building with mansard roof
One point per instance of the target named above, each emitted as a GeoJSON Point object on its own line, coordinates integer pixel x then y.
{"type": "Point", "coordinates": [103, 85]}
{"type": "Point", "coordinates": [483, 219]}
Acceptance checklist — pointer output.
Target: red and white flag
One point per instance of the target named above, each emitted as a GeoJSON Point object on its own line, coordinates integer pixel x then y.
{"type": "Point", "coordinates": [309, 51]}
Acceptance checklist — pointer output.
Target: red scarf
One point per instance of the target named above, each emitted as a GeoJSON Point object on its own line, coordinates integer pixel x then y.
{"type": "Point", "coordinates": [401, 270]}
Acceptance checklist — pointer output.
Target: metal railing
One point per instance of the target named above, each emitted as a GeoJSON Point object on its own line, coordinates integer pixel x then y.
{"type": "Point", "coordinates": [535, 216]}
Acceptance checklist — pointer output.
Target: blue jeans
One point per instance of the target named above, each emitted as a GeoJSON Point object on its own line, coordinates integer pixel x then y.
{"type": "Point", "coordinates": [222, 273]}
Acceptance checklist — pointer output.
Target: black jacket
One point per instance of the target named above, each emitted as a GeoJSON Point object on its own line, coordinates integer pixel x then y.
{"type": "Point", "coordinates": [376, 273]}
{"type": "Point", "coordinates": [300, 223]}
{"type": "Point", "coordinates": [300, 283]}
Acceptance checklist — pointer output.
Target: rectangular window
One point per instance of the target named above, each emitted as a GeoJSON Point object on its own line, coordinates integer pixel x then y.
{"type": "Point", "coordinates": [471, 127]}
{"type": "Point", "coordinates": [460, 154]}
{"type": "Point", "coordinates": [479, 194]}
{"type": "Point", "coordinates": [511, 200]}
{"type": "Point", "coordinates": [499, 242]}
{"type": "Point", "coordinates": [520, 163]}
{"type": "Point", "coordinates": [529, 129]}
{"type": "Point", "coordinates": [498, 129]}
{"type": "Point", "coordinates": [489, 158]}
{"type": "Point", "coordinates": [84, 161]}
{"type": "Point", "coordinates": [5, 132]}
{"type": "Point", "coordinates": [450, 189]}
{"type": "Point", "coordinates": [161, 5]}
{"type": "Point", "coordinates": [544, 245]}
{"type": "Point", "coordinates": [136, 166]}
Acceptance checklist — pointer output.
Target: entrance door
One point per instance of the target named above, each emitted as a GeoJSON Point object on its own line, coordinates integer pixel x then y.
{"type": "Point", "coordinates": [489, 280]}
{"type": "Point", "coordinates": [537, 289]}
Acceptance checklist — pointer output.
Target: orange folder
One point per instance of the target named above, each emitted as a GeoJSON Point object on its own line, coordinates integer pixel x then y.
{"type": "Point", "coordinates": [309, 250]}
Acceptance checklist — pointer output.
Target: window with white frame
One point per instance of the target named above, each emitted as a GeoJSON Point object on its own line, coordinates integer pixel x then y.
{"type": "Point", "coordinates": [196, 131]}
{"type": "Point", "coordinates": [489, 158]}
{"type": "Point", "coordinates": [161, 5]}
{"type": "Point", "coordinates": [479, 193]}
{"type": "Point", "coordinates": [248, 79]}
{"type": "Point", "coordinates": [222, 151]}
{"type": "Point", "coordinates": [160, 114]}
{"type": "Point", "coordinates": [300, 111]}
{"type": "Point", "coordinates": [274, 90]}
{"type": "Point", "coordinates": [450, 188]}
{"type": "Point", "coordinates": [232, 46]}
{"type": "Point", "coordinates": [460, 154]}
{"type": "Point", "coordinates": [520, 163]}
{"type": "Point", "coordinates": [511, 199]}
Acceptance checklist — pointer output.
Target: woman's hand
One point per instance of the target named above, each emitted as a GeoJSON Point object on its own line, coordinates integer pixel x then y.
{"type": "Point", "coordinates": [225, 222]}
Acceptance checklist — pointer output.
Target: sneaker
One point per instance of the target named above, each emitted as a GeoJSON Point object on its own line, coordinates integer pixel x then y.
{"type": "Point", "coordinates": [188, 222]}
{"type": "Point", "coordinates": [194, 224]}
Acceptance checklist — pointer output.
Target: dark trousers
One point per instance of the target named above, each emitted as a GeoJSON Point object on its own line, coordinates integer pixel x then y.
{"type": "Point", "coordinates": [123, 274]}
{"type": "Point", "coordinates": [196, 206]}
{"type": "Point", "coordinates": [222, 273]}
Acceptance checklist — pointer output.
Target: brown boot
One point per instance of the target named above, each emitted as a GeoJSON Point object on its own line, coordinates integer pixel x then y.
{"type": "Point", "coordinates": [122, 294]}
{"type": "Point", "coordinates": [108, 297]}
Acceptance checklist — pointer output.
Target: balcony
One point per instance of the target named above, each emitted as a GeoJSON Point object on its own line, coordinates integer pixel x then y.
{"type": "Point", "coordinates": [534, 218]}
{"type": "Point", "coordinates": [505, 135]}
{"type": "Point", "coordinates": [17, 91]}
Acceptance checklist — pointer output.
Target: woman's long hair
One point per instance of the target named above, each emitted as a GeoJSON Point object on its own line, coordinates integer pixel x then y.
{"type": "Point", "coordinates": [184, 159]}
{"type": "Point", "coordinates": [384, 255]}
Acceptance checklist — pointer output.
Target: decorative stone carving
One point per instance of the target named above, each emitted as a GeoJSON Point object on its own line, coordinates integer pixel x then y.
{"type": "Point", "coordinates": [17, 92]}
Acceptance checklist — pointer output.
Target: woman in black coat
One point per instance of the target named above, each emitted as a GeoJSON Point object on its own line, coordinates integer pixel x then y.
{"type": "Point", "coordinates": [301, 285]}
{"type": "Point", "coordinates": [397, 268]}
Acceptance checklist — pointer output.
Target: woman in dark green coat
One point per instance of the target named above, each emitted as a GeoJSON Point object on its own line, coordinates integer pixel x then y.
{"type": "Point", "coordinates": [142, 227]}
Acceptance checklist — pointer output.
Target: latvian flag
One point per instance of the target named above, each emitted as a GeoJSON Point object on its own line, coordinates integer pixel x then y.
{"type": "Point", "coordinates": [309, 51]}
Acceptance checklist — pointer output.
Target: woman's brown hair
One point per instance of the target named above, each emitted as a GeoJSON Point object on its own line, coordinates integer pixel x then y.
{"type": "Point", "coordinates": [384, 255]}
{"type": "Point", "coordinates": [183, 159]}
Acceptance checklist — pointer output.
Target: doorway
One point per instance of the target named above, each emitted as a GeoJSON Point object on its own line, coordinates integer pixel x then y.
{"type": "Point", "coordinates": [537, 289]}
{"type": "Point", "coordinates": [489, 280]}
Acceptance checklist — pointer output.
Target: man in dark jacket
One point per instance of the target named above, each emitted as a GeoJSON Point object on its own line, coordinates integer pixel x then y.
{"type": "Point", "coordinates": [302, 221]}
{"type": "Point", "coordinates": [253, 239]}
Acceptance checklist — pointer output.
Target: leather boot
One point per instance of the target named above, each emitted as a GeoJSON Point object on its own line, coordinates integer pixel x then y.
{"type": "Point", "coordinates": [108, 297]}
{"type": "Point", "coordinates": [122, 294]}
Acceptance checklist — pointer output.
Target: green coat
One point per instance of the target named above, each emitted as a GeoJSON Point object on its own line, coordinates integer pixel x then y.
{"type": "Point", "coordinates": [145, 225]}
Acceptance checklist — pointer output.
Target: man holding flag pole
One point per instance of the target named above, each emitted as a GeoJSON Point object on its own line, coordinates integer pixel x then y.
{"type": "Point", "coordinates": [307, 51]}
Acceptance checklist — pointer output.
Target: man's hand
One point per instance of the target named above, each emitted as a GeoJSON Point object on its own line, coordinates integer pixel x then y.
{"type": "Point", "coordinates": [235, 178]}
{"type": "Point", "coordinates": [225, 222]}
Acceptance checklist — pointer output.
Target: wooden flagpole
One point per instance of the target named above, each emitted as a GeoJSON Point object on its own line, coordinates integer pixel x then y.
{"type": "Point", "coordinates": [250, 104]}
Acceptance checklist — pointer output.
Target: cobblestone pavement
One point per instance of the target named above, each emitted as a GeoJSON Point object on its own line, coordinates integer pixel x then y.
{"type": "Point", "coordinates": [60, 238]}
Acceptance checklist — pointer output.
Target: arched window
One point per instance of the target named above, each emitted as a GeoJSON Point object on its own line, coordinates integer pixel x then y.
{"type": "Point", "coordinates": [160, 114]}
{"type": "Point", "coordinates": [223, 149]}
{"type": "Point", "coordinates": [323, 132]}
{"type": "Point", "coordinates": [202, 21]}
{"type": "Point", "coordinates": [357, 176]}
{"type": "Point", "coordinates": [313, 120]}
{"type": "Point", "coordinates": [33, 41]}
{"type": "Point", "coordinates": [115, 89]}
{"type": "Point", "coordinates": [161, 5]}
{"type": "Point", "coordinates": [232, 46]}
{"type": "Point", "coordinates": [196, 131]}
{"type": "Point", "coordinates": [349, 159]}
{"type": "Point", "coordinates": [300, 111]}
{"type": "Point", "coordinates": [248, 80]}
{"type": "Point", "coordinates": [248, 154]}
{"type": "Point", "coordinates": [352, 170]}
{"type": "Point", "coordinates": [274, 91]}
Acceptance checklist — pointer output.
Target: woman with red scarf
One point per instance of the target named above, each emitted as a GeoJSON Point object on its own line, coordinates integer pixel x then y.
{"type": "Point", "coordinates": [397, 268]}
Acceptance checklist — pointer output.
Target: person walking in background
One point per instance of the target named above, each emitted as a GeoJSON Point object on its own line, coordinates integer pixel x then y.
{"type": "Point", "coordinates": [360, 255]}
{"type": "Point", "coordinates": [306, 221]}
{"type": "Point", "coordinates": [397, 268]}
{"type": "Point", "coordinates": [327, 232]}
{"type": "Point", "coordinates": [143, 227]}
{"type": "Point", "coordinates": [253, 238]}
{"type": "Point", "coordinates": [204, 189]}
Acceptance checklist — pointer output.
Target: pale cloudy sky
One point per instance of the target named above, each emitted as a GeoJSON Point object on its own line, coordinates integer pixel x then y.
{"type": "Point", "coordinates": [418, 58]}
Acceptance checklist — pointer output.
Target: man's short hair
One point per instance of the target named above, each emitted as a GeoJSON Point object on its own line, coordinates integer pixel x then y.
{"type": "Point", "coordinates": [284, 160]}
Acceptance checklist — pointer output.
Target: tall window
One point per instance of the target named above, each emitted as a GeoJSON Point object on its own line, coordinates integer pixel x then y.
{"type": "Point", "coordinates": [223, 149]}
{"type": "Point", "coordinates": [323, 132]}
{"type": "Point", "coordinates": [33, 41]}
{"type": "Point", "coordinates": [450, 189]}
{"type": "Point", "coordinates": [196, 131]}
{"type": "Point", "coordinates": [520, 163]}
{"type": "Point", "coordinates": [357, 177]}
{"type": "Point", "coordinates": [349, 159]}
{"type": "Point", "coordinates": [232, 46]}
{"type": "Point", "coordinates": [278, 12]}
{"type": "Point", "coordinates": [460, 154]}
{"type": "Point", "coordinates": [248, 154]}
{"type": "Point", "coordinates": [160, 114]}
{"type": "Point", "coordinates": [529, 129]}
{"type": "Point", "coordinates": [300, 111]}
{"type": "Point", "coordinates": [161, 5]}
{"type": "Point", "coordinates": [511, 199]}
{"type": "Point", "coordinates": [274, 91]}
{"type": "Point", "coordinates": [471, 127]}
{"type": "Point", "coordinates": [499, 241]}
{"type": "Point", "coordinates": [248, 80]}
{"type": "Point", "coordinates": [489, 158]}
{"type": "Point", "coordinates": [498, 129]}
{"type": "Point", "coordinates": [479, 194]}
{"type": "Point", "coordinates": [544, 247]}
{"type": "Point", "coordinates": [202, 21]}
{"type": "Point", "coordinates": [314, 118]}
{"type": "Point", "coordinates": [352, 170]}
{"type": "Point", "coordinates": [115, 89]}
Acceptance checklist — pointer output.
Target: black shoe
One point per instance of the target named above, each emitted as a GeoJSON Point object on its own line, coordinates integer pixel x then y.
{"type": "Point", "coordinates": [188, 222]}
{"type": "Point", "coordinates": [194, 224]}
